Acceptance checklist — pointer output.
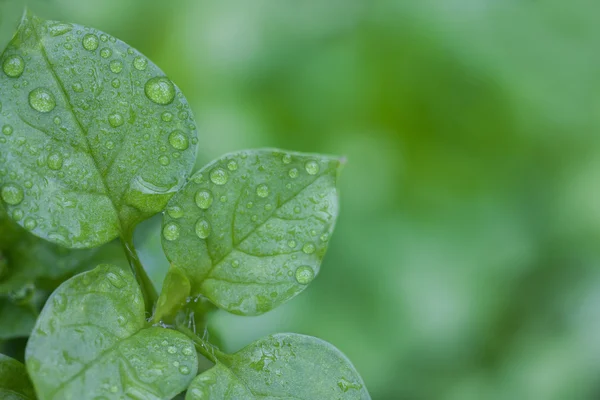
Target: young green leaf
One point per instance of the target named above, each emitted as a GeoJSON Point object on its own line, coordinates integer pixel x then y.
{"type": "Point", "coordinates": [94, 137]}
{"type": "Point", "coordinates": [282, 366]}
{"type": "Point", "coordinates": [251, 228]}
{"type": "Point", "coordinates": [14, 383]}
{"type": "Point", "coordinates": [92, 341]}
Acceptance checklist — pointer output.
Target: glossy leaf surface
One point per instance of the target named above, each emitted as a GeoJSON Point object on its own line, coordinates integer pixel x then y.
{"type": "Point", "coordinates": [94, 138]}
{"type": "Point", "coordinates": [251, 228]}
{"type": "Point", "coordinates": [284, 366]}
{"type": "Point", "coordinates": [92, 340]}
{"type": "Point", "coordinates": [14, 383]}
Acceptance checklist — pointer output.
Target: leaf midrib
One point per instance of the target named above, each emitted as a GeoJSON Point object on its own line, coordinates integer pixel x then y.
{"type": "Point", "coordinates": [69, 107]}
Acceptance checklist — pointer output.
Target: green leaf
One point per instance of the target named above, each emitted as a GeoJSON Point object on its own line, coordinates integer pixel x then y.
{"type": "Point", "coordinates": [251, 228]}
{"type": "Point", "coordinates": [175, 292]}
{"type": "Point", "coordinates": [92, 340]}
{"type": "Point", "coordinates": [282, 366]}
{"type": "Point", "coordinates": [15, 321]}
{"type": "Point", "coordinates": [10, 15]}
{"type": "Point", "coordinates": [94, 137]}
{"type": "Point", "coordinates": [25, 258]}
{"type": "Point", "coordinates": [14, 383]}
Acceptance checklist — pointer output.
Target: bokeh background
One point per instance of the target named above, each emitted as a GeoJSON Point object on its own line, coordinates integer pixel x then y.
{"type": "Point", "coordinates": [466, 260]}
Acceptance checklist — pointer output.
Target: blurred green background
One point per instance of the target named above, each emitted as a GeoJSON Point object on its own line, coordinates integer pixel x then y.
{"type": "Point", "coordinates": [465, 261]}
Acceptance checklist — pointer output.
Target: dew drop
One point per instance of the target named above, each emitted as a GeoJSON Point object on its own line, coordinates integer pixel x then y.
{"type": "Point", "coordinates": [110, 145]}
{"type": "Point", "coordinates": [18, 214]}
{"type": "Point", "coordinates": [90, 42]}
{"type": "Point", "coordinates": [42, 100]}
{"type": "Point", "coordinates": [304, 275]}
{"type": "Point", "coordinates": [286, 159]}
{"type": "Point", "coordinates": [232, 165]}
{"type": "Point", "coordinates": [55, 161]}
{"type": "Point", "coordinates": [292, 243]}
{"type": "Point", "coordinates": [164, 160]}
{"type": "Point", "coordinates": [57, 121]}
{"type": "Point", "coordinates": [293, 173]}
{"type": "Point", "coordinates": [172, 350]}
{"type": "Point", "coordinates": [166, 116]}
{"type": "Point", "coordinates": [262, 191]}
{"type": "Point", "coordinates": [235, 263]}
{"type": "Point", "coordinates": [7, 130]}
{"type": "Point", "coordinates": [59, 29]}
{"type": "Point", "coordinates": [160, 90]}
{"type": "Point", "coordinates": [116, 66]}
{"type": "Point", "coordinates": [308, 248]}
{"type": "Point", "coordinates": [179, 140]}
{"type": "Point", "coordinates": [312, 167]}
{"type": "Point", "coordinates": [116, 83]}
{"type": "Point", "coordinates": [171, 231]}
{"type": "Point", "coordinates": [187, 351]}
{"type": "Point", "coordinates": [30, 224]}
{"type": "Point", "coordinates": [184, 370]}
{"type": "Point", "coordinates": [219, 176]}
{"type": "Point", "coordinates": [12, 194]}
{"type": "Point", "coordinates": [13, 66]}
{"type": "Point", "coordinates": [204, 199]}
{"type": "Point", "coordinates": [175, 212]}
{"type": "Point", "coordinates": [140, 63]}
{"type": "Point", "coordinates": [115, 120]}
{"type": "Point", "coordinates": [121, 320]}
{"type": "Point", "coordinates": [203, 228]}
{"type": "Point", "coordinates": [105, 52]}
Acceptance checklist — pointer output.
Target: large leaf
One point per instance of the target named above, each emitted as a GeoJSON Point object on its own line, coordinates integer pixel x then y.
{"type": "Point", "coordinates": [10, 15]}
{"type": "Point", "coordinates": [283, 366]}
{"type": "Point", "coordinates": [251, 228]}
{"type": "Point", "coordinates": [14, 383]}
{"type": "Point", "coordinates": [94, 137]}
{"type": "Point", "coordinates": [92, 340]}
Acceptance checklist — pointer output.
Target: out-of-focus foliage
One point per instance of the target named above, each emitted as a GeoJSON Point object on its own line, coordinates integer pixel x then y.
{"type": "Point", "coordinates": [465, 261]}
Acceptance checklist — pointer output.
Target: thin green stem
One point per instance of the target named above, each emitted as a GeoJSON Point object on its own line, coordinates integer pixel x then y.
{"type": "Point", "coordinates": [146, 285]}
{"type": "Point", "coordinates": [204, 347]}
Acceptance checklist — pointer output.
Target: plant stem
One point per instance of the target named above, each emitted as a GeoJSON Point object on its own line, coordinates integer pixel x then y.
{"type": "Point", "coordinates": [148, 290]}
{"type": "Point", "coordinates": [205, 348]}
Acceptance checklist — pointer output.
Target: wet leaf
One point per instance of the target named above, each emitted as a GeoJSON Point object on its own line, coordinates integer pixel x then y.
{"type": "Point", "coordinates": [283, 366]}
{"type": "Point", "coordinates": [14, 383]}
{"type": "Point", "coordinates": [250, 229]}
{"type": "Point", "coordinates": [94, 137]}
{"type": "Point", "coordinates": [92, 340]}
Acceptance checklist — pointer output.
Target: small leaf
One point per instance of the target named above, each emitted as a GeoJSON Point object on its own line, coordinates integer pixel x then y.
{"type": "Point", "coordinates": [175, 292]}
{"type": "Point", "coordinates": [10, 15]}
{"type": "Point", "coordinates": [282, 366]}
{"type": "Point", "coordinates": [14, 383]}
{"type": "Point", "coordinates": [15, 321]}
{"type": "Point", "coordinates": [92, 340]}
{"type": "Point", "coordinates": [94, 137]}
{"type": "Point", "coordinates": [251, 228]}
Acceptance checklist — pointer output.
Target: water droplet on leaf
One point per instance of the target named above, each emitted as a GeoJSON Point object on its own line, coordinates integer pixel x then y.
{"type": "Point", "coordinates": [204, 199]}
{"type": "Point", "coordinates": [312, 167]}
{"type": "Point", "coordinates": [12, 194]}
{"type": "Point", "coordinates": [13, 66]}
{"type": "Point", "coordinates": [90, 42]}
{"type": "Point", "coordinates": [171, 231]}
{"type": "Point", "coordinates": [203, 229]}
{"type": "Point", "coordinates": [42, 100]}
{"type": "Point", "coordinates": [304, 275]}
{"type": "Point", "coordinates": [160, 90]}
{"type": "Point", "coordinates": [219, 176]}
{"type": "Point", "coordinates": [140, 63]}
{"type": "Point", "coordinates": [178, 140]}
{"type": "Point", "coordinates": [262, 191]}
{"type": "Point", "coordinates": [55, 161]}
